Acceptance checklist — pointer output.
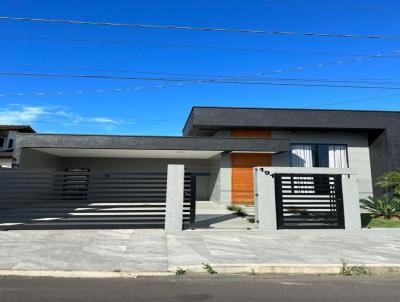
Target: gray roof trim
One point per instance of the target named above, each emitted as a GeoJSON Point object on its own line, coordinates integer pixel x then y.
{"type": "Point", "coordinates": [204, 121]}
{"type": "Point", "coordinates": [150, 142]}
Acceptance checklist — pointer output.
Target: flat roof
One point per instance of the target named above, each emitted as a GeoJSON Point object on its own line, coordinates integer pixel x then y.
{"type": "Point", "coordinates": [70, 141]}
{"type": "Point", "coordinates": [205, 121]}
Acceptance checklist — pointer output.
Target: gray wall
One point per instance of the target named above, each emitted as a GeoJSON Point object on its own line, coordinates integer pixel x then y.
{"type": "Point", "coordinates": [32, 160]}
{"type": "Point", "coordinates": [357, 148]}
{"type": "Point", "coordinates": [358, 155]}
{"type": "Point", "coordinates": [207, 185]}
{"type": "Point", "coordinates": [204, 185]}
{"type": "Point", "coordinates": [214, 178]}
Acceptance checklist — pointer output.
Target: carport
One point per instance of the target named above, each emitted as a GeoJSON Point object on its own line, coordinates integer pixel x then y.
{"type": "Point", "coordinates": [94, 181]}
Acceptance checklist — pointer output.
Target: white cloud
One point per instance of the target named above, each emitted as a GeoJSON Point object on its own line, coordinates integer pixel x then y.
{"type": "Point", "coordinates": [104, 120]}
{"type": "Point", "coordinates": [26, 114]}
{"type": "Point", "coordinates": [15, 114]}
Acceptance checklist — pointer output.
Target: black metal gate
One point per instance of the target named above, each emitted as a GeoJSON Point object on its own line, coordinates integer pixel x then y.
{"type": "Point", "coordinates": [83, 199]}
{"type": "Point", "coordinates": [309, 201]}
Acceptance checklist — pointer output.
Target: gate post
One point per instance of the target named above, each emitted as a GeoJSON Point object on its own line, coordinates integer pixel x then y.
{"type": "Point", "coordinates": [351, 203]}
{"type": "Point", "coordinates": [265, 206]}
{"type": "Point", "coordinates": [174, 200]}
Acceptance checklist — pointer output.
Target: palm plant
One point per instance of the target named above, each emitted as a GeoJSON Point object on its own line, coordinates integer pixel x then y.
{"type": "Point", "coordinates": [390, 181]}
{"type": "Point", "coordinates": [380, 206]}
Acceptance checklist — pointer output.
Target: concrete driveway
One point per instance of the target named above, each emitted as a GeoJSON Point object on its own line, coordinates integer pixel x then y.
{"type": "Point", "coordinates": [156, 251]}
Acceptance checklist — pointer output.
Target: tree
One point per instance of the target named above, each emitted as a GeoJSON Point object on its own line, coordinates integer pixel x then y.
{"type": "Point", "coordinates": [390, 181]}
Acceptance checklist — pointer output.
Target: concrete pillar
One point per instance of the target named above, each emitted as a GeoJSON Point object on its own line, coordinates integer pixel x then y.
{"type": "Point", "coordinates": [264, 190]}
{"type": "Point", "coordinates": [351, 203]}
{"type": "Point", "coordinates": [174, 202]}
{"type": "Point", "coordinates": [225, 194]}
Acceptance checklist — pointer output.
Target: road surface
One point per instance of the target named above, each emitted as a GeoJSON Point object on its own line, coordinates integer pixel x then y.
{"type": "Point", "coordinates": [204, 288]}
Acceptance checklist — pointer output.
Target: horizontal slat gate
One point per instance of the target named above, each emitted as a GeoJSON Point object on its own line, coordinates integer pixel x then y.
{"type": "Point", "coordinates": [37, 199]}
{"type": "Point", "coordinates": [309, 201]}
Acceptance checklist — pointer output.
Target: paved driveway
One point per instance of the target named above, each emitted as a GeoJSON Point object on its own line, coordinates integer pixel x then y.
{"type": "Point", "coordinates": [154, 250]}
{"type": "Point", "coordinates": [84, 250]}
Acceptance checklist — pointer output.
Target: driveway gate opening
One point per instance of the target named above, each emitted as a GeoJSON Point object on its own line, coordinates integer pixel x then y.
{"type": "Point", "coordinates": [84, 199]}
{"type": "Point", "coordinates": [309, 201]}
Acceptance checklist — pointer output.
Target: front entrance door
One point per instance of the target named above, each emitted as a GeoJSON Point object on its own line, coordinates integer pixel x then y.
{"type": "Point", "coordinates": [242, 167]}
{"type": "Point", "coordinates": [242, 175]}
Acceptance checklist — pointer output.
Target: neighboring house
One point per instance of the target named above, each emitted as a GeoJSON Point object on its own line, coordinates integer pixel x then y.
{"type": "Point", "coordinates": [8, 135]}
{"type": "Point", "coordinates": [222, 145]}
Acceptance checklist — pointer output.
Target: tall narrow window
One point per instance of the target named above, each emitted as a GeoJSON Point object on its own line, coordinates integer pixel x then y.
{"type": "Point", "coordinates": [337, 156]}
{"type": "Point", "coordinates": [319, 155]}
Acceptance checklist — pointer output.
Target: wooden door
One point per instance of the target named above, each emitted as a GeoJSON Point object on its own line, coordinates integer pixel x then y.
{"type": "Point", "coordinates": [242, 175]}
{"type": "Point", "coordinates": [242, 167]}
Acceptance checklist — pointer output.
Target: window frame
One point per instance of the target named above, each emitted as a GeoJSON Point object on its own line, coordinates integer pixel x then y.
{"type": "Point", "coordinates": [316, 144]}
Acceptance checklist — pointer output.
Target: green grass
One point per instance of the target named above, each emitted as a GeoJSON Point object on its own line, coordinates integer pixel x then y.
{"type": "Point", "coordinates": [369, 221]}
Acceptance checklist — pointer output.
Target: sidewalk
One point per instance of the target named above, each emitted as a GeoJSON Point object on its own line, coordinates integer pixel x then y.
{"type": "Point", "coordinates": [155, 251]}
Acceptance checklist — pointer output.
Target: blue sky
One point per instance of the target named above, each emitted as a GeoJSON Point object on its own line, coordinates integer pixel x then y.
{"type": "Point", "coordinates": [145, 108]}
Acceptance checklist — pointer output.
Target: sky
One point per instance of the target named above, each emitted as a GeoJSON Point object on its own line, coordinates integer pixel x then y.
{"type": "Point", "coordinates": [144, 107]}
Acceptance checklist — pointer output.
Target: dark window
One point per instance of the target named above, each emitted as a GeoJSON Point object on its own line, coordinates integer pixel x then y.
{"type": "Point", "coordinates": [10, 143]}
{"type": "Point", "coordinates": [321, 156]}
{"type": "Point", "coordinates": [1, 142]}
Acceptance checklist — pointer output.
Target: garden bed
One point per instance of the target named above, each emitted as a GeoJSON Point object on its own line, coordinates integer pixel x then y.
{"type": "Point", "coordinates": [369, 221]}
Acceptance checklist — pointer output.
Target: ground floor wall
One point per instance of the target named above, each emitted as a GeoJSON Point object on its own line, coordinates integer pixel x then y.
{"type": "Point", "coordinates": [35, 160]}
{"type": "Point", "coordinates": [207, 171]}
{"type": "Point", "coordinates": [214, 180]}
{"type": "Point", "coordinates": [357, 152]}
{"type": "Point", "coordinates": [199, 167]}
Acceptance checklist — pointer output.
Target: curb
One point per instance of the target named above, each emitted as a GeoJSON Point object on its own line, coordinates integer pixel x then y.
{"type": "Point", "coordinates": [300, 269]}
{"type": "Point", "coordinates": [81, 274]}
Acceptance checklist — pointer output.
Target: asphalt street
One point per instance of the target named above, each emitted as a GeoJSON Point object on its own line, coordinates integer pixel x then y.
{"type": "Point", "coordinates": [203, 288]}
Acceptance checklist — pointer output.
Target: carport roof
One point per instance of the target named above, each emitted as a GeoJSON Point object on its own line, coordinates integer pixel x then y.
{"type": "Point", "coordinates": [151, 143]}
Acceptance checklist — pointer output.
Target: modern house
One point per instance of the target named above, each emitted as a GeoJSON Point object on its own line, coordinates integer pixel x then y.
{"type": "Point", "coordinates": [8, 135]}
{"type": "Point", "coordinates": [222, 145]}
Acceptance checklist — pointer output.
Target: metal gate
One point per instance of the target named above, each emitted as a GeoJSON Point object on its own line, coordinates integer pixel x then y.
{"type": "Point", "coordinates": [309, 201]}
{"type": "Point", "coordinates": [83, 199]}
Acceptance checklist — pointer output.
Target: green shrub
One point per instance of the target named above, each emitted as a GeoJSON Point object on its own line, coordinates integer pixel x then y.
{"type": "Point", "coordinates": [381, 206]}
{"type": "Point", "coordinates": [390, 181]}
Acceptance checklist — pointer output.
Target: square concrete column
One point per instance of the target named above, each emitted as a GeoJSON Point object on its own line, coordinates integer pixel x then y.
{"type": "Point", "coordinates": [265, 209]}
{"type": "Point", "coordinates": [225, 183]}
{"type": "Point", "coordinates": [351, 203]}
{"type": "Point", "coordinates": [174, 202]}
